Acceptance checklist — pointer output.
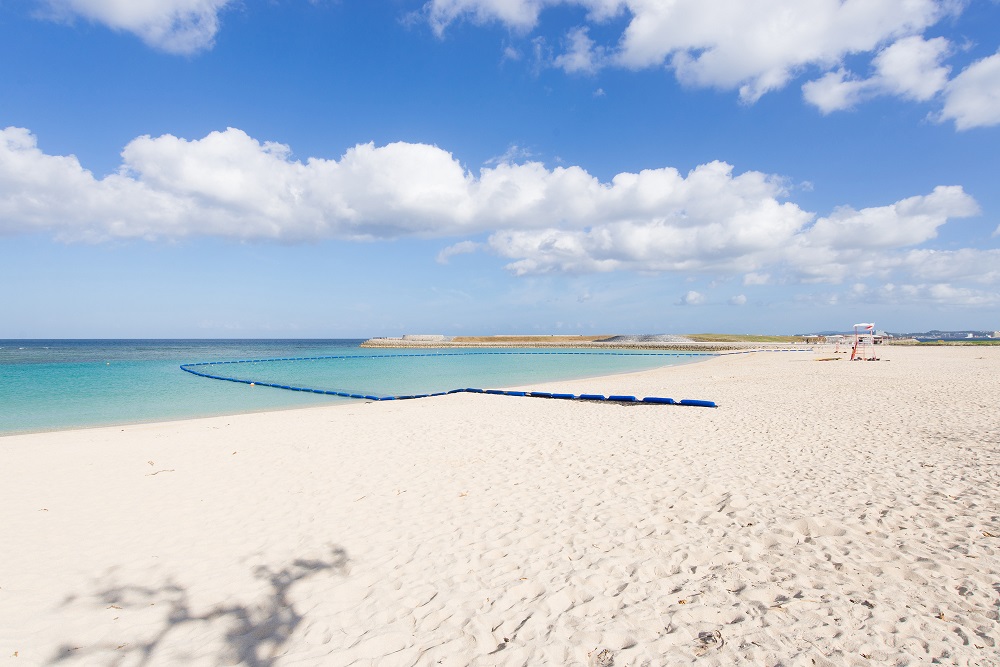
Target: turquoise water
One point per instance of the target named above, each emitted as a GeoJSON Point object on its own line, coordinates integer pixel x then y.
{"type": "Point", "coordinates": [51, 385]}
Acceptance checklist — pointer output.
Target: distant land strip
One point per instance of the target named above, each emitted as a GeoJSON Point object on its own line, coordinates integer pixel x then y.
{"type": "Point", "coordinates": [690, 343]}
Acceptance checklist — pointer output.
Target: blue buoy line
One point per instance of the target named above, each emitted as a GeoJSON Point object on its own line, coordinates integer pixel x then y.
{"type": "Point", "coordinates": [622, 399]}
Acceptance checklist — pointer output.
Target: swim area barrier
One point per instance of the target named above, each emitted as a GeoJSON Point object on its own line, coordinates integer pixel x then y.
{"type": "Point", "coordinates": [200, 369]}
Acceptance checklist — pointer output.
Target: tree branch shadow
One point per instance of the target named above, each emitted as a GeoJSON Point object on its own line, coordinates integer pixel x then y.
{"type": "Point", "coordinates": [256, 632]}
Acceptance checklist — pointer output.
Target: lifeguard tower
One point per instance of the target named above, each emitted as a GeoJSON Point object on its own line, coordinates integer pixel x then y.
{"type": "Point", "coordinates": [864, 342]}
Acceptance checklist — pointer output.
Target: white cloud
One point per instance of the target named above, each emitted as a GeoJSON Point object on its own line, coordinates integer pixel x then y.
{"type": "Point", "coordinates": [972, 99]}
{"type": "Point", "coordinates": [692, 298]}
{"type": "Point", "coordinates": [230, 185]}
{"type": "Point", "coordinates": [909, 68]}
{"type": "Point", "coordinates": [754, 46]}
{"type": "Point", "coordinates": [738, 300]}
{"type": "Point", "coordinates": [659, 220]}
{"type": "Point", "coordinates": [581, 56]}
{"type": "Point", "coordinates": [512, 155]}
{"type": "Point", "coordinates": [753, 235]}
{"type": "Point", "coordinates": [519, 14]}
{"type": "Point", "coordinates": [175, 26]}
{"type": "Point", "coordinates": [943, 293]}
{"type": "Point", "coordinates": [460, 248]}
{"type": "Point", "coordinates": [510, 53]}
{"type": "Point", "coordinates": [938, 294]}
{"type": "Point", "coordinates": [757, 46]}
{"type": "Point", "coordinates": [834, 91]}
{"type": "Point", "coordinates": [907, 222]}
{"type": "Point", "coordinates": [968, 264]}
{"type": "Point", "coordinates": [563, 219]}
{"type": "Point", "coordinates": [874, 241]}
{"type": "Point", "coordinates": [754, 278]}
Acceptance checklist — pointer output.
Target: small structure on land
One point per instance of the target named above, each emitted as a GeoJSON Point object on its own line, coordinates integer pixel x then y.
{"type": "Point", "coordinates": [864, 342]}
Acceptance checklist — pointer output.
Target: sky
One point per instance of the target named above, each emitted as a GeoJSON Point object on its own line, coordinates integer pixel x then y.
{"type": "Point", "coordinates": [355, 168]}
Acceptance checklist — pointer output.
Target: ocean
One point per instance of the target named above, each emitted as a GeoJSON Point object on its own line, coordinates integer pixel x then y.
{"type": "Point", "coordinates": [50, 385]}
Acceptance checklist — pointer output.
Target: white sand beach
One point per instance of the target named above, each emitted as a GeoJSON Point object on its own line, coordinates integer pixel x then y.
{"type": "Point", "coordinates": [827, 513]}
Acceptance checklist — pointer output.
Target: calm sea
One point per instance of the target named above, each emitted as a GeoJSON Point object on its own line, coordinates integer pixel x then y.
{"type": "Point", "coordinates": [59, 384]}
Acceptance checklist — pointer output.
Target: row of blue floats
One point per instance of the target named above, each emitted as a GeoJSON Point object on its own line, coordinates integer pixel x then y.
{"type": "Point", "coordinates": [648, 400]}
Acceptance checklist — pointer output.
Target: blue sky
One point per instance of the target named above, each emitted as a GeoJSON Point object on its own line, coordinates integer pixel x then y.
{"type": "Point", "coordinates": [297, 168]}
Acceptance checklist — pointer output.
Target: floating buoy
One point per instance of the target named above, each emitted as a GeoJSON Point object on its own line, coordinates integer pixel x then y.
{"type": "Point", "coordinates": [472, 390]}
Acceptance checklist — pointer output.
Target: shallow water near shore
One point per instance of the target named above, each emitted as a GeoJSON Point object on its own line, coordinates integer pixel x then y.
{"type": "Point", "coordinates": [59, 384]}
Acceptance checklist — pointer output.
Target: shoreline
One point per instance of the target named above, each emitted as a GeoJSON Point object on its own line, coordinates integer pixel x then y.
{"type": "Point", "coordinates": [796, 523]}
{"type": "Point", "coordinates": [333, 401]}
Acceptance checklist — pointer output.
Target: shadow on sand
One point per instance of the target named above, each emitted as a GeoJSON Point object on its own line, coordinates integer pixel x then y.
{"type": "Point", "coordinates": [256, 631]}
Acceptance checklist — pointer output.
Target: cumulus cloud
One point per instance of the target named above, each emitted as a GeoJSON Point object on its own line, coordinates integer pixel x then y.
{"type": "Point", "coordinates": [908, 222]}
{"type": "Point", "coordinates": [972, 99]}
{"type": "Point", "coordinates": [871, 241]}
{"type": "Point", "coordinates": [230, 185]}
{"type": "Point", "coordinates": [834, 91]}
{"type": "Point", "coordinates": [175, 26]}
{"type": "Point", "coordinates": [730, 229]}
{"type": "Point", "coordinates": [938, 294]}
{"type": "Point", "coordinates": [692, 298]}
{"type": "Point", "coordinates": [754, 46]}
{"type": "Point", "coordinates": [581, 56]}
{"type": "Point", "coordinates": [710, 220]}
{"type": "Point", "coordinates": [909, 68]}
{"type": "Point", "coordinates": [738, 300]}
{"type": "Point", "coordinates": [758, 46]}
{"type": "Point", "coordinates": [520, 14]}
{"type": "Point", "coordinates": [947, 266]}
{"type": "Point", "coordinates": [517, 14]}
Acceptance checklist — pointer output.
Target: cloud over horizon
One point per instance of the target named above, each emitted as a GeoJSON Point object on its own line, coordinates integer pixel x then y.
{"type": "Point", "coordinates": [708, 221]}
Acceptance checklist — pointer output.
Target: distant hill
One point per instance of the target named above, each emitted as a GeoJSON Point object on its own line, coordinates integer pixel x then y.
{"type": "Point", "coordinates": [934, 334]}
